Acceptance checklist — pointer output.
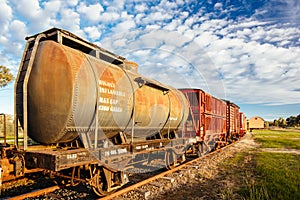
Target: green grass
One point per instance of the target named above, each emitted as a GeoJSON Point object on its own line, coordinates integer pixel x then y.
{"type": "Point", "coordinates": [260, 175]}
{"type": "Point", "coordinates": [278, 139]}
{"type": "Point", "coordinates": [279, 174]}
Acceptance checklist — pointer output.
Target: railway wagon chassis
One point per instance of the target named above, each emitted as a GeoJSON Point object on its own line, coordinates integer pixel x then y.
{"type": "Point", "coordinates": [75, 164]}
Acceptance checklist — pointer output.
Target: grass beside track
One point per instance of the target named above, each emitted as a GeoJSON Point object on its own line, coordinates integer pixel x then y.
{"type": "Point", "coordinates": [288, 139]}
{"type": "Point", "coordinates": [259, 174]}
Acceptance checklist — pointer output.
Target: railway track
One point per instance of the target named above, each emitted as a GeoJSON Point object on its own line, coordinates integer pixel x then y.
{"type": "Point", "coordinates": [36, 193]}
{"type": "Point", "coordinates": [137, 190]}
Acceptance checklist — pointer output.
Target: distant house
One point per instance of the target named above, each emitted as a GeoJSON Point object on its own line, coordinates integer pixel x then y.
{"type": "Point", "coordinates": [256, 123]}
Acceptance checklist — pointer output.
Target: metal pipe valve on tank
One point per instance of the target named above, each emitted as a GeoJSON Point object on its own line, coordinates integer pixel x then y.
{"type": "Point", "coordinates": [68, 91]}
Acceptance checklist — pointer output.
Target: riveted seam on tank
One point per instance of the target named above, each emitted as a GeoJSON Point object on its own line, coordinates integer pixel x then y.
{"type": "Point", "coordinates": [133, 98]}
{"type": "Point", "coordinates": [74, 100]}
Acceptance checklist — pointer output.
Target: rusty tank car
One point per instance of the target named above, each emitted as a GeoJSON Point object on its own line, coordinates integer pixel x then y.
{"type": "Point", "coordinates": [71, 92]}
{"type": "Point", "coordinates": [91, 114]}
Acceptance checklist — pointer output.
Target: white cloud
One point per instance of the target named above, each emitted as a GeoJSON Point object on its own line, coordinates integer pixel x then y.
{"type": "Point", "coordinates": [71, 2]}
{"type": "Point", "coordinates": [156, 16]}
{"type": "Point", "coordinates": [124, 26]}
{"type": "Point", "coordinates": [109, 17]}
{"type": "Point", "coordinates": [92, 13]}
{"type": "Point", "coordinates": [218, 6]}
{"type": "Point", "coordinates": [141, 7]}
{"type": "Point", "coordinates": [3, 39]}
{"type": "Point", "coordinates": [120, 42]}
{"type": "Point", "coordinates": [52, 7]}
{"type": "Point", "coordinates": [5, 11]}
{"type": "Point", "coordinates": [29, 9]}
{"type": "Point", "coordinates": [70, 20]}
{"type": "Point", "coordinates": [92, 32]}
{"type": "Point", "coordinates": [5, 17]}
{"type": "Point", "coordinates": [172, 25]}
{"type": "Point", "coordinates": [18, 30]}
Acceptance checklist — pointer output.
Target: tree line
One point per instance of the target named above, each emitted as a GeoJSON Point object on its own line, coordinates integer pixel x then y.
{"type": "Point", "coordinates": [292, 121]}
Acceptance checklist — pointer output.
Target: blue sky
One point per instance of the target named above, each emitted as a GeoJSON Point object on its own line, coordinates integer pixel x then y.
{"type": "Point", "coordinates": [245, 51]}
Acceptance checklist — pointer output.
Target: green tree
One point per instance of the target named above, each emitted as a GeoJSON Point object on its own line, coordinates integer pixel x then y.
{"type": "Point", "coordinates": [275, 123]}
{"type": "Point", "coordinates": [298, 120]}
{"type": "Point", "coordinates": [282, 122]}
{"type": "Point", "coordinates": [292, 121]}
{"type": "Point", "coordinates": [5, 76]}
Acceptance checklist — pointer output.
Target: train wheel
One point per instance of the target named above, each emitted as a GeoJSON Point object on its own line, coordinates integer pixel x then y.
{"type": "Point", "coordinates": [203, 149]}
{"type": "Point", "coordinates": [170, 159]}
{"type": "Point", "coordinates": [200, 150]}
{"type": "Point", "coordinates": [101, 187]}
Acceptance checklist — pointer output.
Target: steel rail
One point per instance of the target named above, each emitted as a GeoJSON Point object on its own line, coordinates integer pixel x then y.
{"type": "Point", "coordinates": [36, 193]}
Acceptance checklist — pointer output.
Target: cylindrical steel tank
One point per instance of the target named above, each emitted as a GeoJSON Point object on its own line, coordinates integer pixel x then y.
{"type": "Point", "coordinates": [69, 90]}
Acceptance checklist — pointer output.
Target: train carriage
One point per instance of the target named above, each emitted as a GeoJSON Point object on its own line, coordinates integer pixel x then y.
{"type": "Point", "coordinates": [233, 121]}
{"type": "Point", "coordinates": [243, 124]}
{"type": "Point", "coordinates": [206, 121]}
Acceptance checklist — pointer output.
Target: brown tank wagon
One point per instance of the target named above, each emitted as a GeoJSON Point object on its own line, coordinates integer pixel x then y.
{"type": "Point", "coordinates": [69, 90]}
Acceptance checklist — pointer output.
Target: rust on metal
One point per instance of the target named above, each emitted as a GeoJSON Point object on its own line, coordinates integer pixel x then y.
{"type": "Point", "coordinates": [59, 159]}
{"type": "Point", "coordinates": [207, 118]}
{"type": "Point", "coordinates": [76, 88]}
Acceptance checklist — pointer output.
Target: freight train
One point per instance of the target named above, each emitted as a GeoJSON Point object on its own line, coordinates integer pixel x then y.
{"type": "Point", "coordinates": [92, 116]}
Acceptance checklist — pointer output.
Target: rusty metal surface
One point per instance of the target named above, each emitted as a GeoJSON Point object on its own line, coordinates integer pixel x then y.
{"type": "Point", "coordinates": [66, 86]}
{"type": "Point", "coordinates": [113, 157]}
{"type": "Point", "coordinates": [243, 124]}
{"type": "Point", "coordinates": [50, 94]}
{"type": "Point", "coordinates": [11, 163]}
{"type": "Point", "coordinates": [233, 119]}
{"type": "Point", "coordinates": [59, 159]}
{"type": "Point", "coordinates": [208, 116]}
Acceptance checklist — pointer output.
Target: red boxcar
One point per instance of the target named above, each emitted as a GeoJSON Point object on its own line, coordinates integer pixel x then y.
{"type": "Point", "coordinates": [243, 124]}
{"type": "Point", "coordinates": [233, 121]}
{"type": "Point", "coordinates": [207, 119]}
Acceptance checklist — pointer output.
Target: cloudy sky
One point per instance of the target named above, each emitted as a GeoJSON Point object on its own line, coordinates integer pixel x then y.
{"type": "Point", "coordinates": [245, 51]}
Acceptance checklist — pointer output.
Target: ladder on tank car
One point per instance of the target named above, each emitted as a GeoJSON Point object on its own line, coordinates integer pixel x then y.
{"type": "Point", "coordinates": [21, 94]}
